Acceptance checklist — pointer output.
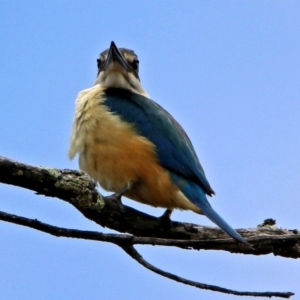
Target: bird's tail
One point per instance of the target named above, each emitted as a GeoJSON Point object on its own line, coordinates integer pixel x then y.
{"type": "Point", "coordinates": [196, 195]}
{"type": "Point", "coordinates": [214, 217]}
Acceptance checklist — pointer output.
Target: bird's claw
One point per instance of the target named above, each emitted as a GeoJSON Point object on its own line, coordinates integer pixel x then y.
{"type": "Point", "coordinates": [116, 197]}
{"type": "Point", "coordinates": [165, 218]}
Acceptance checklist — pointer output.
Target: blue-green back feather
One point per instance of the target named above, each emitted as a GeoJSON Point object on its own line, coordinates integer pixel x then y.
{"type": "Point", "coordinates": [174, 149]}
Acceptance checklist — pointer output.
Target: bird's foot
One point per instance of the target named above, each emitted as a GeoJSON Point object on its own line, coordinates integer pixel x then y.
{"type": "Point", "coordinates": [116, 197]}
{"type": "Point", "coordinates": [165, 218]}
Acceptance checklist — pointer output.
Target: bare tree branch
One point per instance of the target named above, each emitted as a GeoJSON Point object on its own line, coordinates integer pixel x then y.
{"type": "Point", "coordinates": [206, 244]}
{"type": "Point", "coordinates": [126, 242]}
{"type": "Point", "coordinates": [130, 250]}
{"type": "Point", "coordinates": [80, 191]}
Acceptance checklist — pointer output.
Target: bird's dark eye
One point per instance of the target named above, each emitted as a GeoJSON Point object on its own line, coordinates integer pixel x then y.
{"type": "Point", "coordinates": [99, 63]}
{"type": "Point", "coordinates": [135, 65]}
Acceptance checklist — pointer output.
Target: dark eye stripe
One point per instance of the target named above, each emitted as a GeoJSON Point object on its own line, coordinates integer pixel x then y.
{"type": "Point", "coordinates": [99, 63]}
{"type": "Point", "coordinates": [135, 65]}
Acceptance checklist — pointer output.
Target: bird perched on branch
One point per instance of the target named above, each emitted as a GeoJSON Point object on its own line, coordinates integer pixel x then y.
{"type": "Point", "coordinates": [133, 147]}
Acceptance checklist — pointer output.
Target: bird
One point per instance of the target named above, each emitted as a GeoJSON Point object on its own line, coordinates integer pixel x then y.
{"type": "Point", "coordinates": [133, 147]}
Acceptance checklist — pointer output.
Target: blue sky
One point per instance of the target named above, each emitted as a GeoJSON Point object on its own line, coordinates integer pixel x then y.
{"type": "Point", "coordinates": [228, 71]}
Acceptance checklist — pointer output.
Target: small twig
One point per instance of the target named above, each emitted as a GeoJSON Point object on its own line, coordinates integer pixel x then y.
{"type": "Point", "coordinates": [63, 232]}
{"type": "Point", "coordinates": [131, 251]}
{"type": "Point", "coordinates": [126, 242]}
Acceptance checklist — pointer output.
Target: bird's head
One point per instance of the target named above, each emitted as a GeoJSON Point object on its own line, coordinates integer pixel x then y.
{"type": "Point", "coordinates": [119, 68]}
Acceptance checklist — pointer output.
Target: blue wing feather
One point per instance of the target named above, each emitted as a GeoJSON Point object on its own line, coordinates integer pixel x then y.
{"type": "Point", "coordinates": [174, 149]}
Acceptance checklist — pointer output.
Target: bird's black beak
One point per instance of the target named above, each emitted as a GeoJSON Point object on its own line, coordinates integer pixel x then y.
{"type": "Point", "coordinates": [114, 55]}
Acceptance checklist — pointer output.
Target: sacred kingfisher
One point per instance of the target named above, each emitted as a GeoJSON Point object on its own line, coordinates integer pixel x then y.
{"type": "Point", "coordinates": [133, 147]}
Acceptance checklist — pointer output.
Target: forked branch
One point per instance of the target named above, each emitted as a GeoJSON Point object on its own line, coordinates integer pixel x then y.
{"type": "Point", "coordinates": [80, 191]}
{"type": "Point", "coordinates": [126, 242]}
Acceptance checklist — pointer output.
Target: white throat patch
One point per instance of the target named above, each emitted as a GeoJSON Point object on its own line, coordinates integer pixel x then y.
{"type": "Point", "coordinates": [113, 78]}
